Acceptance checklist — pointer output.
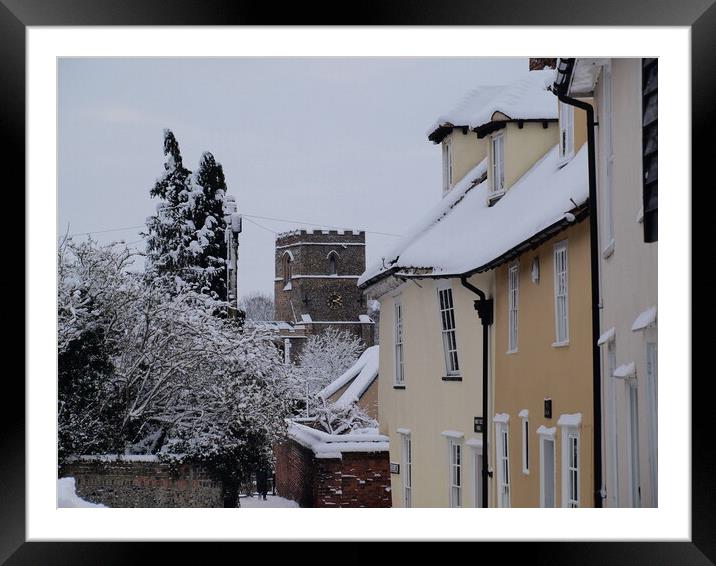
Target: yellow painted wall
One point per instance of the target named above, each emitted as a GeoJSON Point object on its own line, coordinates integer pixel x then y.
{"type": "Point", "coordinates": [539, 370]}
{"type": "Point", "coordinates": [523, 147]}
{"type": "Point", "coordinates": [467, 152]}
{"type": "Point", "coordinates": [428, 405]}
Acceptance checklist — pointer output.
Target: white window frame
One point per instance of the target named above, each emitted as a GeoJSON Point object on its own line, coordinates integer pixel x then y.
{"type": "Point", "coordinates": [632, 406]}
{"type": "Point", "coordinates": [497, 164]}
{"type": "Point", "coordinates": [455, 474]}
{"type": "Point", "coordinates": [571, 470]}
{"type": "Point", "coordinates": [399, 343]}
{"type": "Point", "coordinates": [448, 329]}
{"type": "Point", "coordinates": [605, 124]}
{"type": "Point", "coordinates": [566, 131]}
{"type": "Point", "coordinates": [502, 459]}
{"type": "Point", "coordinates": [652, 391]}
{"type": "Point", "coordinates": [561, 313]}
{"type": "Point", "coordinates": [513, 304]}
{"type": "Point", "coordinates": [547, 435]}
{"type": "Point", "coordinates": [407, 468]}
{"type": "Point", "coordinates": [524, 414]}
{"type": "Point", "coordinates": [613, 422]}
{"type": "Point", "coordinates": [447, 165]}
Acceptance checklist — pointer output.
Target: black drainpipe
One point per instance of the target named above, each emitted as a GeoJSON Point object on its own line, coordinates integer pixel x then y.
{"type": "Point", "coordinates": [484, 308]}
{"type": "Point", "coordinates": [594, 253]}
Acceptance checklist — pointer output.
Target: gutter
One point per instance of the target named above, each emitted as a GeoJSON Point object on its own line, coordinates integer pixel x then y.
{"type": "Point", "coordinates": [594, 257]}
{"type": "Point", "coordinates": [484, 308]}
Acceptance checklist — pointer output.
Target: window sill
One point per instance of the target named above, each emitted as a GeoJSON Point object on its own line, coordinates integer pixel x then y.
{"type": "Point", "coordinates": [609, 250]}
{"type": "Point", "coordinates": [560, 344]}
{"type": "Point", "coordinates": [494, 196]}
{"type": "Point", "coordinates": [526, 472]}
{"type": "Point", "coordinates": [395, 386]}
{"type": "Point", "coordinates": [566, 159]}
{"type": "Point", "coordinates": [452, 378]}
{"type": "Point", "coordinates": [510, 352]}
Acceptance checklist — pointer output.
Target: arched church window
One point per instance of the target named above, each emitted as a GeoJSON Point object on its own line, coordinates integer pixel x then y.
{"type": "Point", "coordinates": [287, 260]}
{"type": "Point", "coordinates": [333, 263]}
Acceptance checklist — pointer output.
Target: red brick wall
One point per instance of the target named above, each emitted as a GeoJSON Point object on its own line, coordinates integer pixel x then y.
{"type": "Point", "coordinates": [357, 480]}
{"type": "Point", "coordinates": [294, 473]}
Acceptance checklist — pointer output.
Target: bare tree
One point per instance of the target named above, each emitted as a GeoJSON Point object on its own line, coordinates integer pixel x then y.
{"type": "Point", "coordinates": [257, 306]}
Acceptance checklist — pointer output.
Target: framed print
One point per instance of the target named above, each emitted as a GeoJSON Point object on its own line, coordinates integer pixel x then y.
{"type": "Point", "coordinates": [320, 275]}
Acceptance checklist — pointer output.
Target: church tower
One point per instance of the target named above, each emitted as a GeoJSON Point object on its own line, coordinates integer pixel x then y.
{"type": "Point", "coordinates": [315, 281]}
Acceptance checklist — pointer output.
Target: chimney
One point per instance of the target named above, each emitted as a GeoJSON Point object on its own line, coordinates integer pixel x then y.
{"type": "Point", "coordinates": [544, 63]}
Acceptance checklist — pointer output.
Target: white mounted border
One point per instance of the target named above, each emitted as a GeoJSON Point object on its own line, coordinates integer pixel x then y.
{"type": "Point", "coordinates": [672, 520]}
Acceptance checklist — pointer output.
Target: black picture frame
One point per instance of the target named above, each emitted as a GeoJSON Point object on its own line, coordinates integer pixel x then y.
{"type": "Point", "coordinates": [17, 15]}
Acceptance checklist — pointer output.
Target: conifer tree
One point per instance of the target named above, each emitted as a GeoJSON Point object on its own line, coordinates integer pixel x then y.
{"type": "Point", "coordinates": [186, 238]}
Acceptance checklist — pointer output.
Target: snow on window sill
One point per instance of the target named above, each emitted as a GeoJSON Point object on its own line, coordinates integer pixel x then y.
{"type": "Point", "coordinates": [510, 352]}
{"type": "Point", "coordinates": [565, 159]}
{"type": "Point", "coordinates": [563, 344]}
{"type": "Point", "coordinates": [525, 472]}
{"type": "Point", "coordinates": [288, 286]}
{"type": "Point", "coordinates": [609, 250]}
{"type": "Point", "coordinates": [494, 196]}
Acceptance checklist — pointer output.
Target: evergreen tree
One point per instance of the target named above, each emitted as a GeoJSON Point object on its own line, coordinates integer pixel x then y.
{"type": "Point", "coordinates": [186, 238]}
{"type": "Point", "coordinates": [208, 217]}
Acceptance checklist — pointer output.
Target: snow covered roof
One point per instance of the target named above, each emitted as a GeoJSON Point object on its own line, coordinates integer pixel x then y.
{"type": "Point", "coordinates": [361, 374]}
{"type": "Point", "coordinates": [462, 234]}
{"type": "Point", "coordinates": [524, 99]}
{"type": "Point", "coordinates": [324, 445]}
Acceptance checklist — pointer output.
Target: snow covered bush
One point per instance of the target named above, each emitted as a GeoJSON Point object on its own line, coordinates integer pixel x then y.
{"type": "Point", "coordinates": [340, 420]}
{"type": "Point", "coordinates": [324, 357]}
{"type": "Point", "coordinates": [143, 370]}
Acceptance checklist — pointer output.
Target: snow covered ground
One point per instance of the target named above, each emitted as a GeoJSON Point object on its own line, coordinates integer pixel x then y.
{"type": "Point", "coordinates": [271, 501]}
{"type": "Point", "coordinates": [67, 496]}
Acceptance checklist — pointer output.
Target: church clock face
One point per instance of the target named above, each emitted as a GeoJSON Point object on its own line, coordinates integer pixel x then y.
{"type": "Point", "coordinates": [335, 301]}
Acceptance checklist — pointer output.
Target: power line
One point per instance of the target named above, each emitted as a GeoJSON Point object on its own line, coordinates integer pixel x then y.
{"type": "Point", "coordinates": [313, 224]}
{"type": "Point", "coordinates": [260, 226]}
{"type": "Point", "coordinates": [108, 230]}
{"type": "Point", "coordinates": [248, 217]}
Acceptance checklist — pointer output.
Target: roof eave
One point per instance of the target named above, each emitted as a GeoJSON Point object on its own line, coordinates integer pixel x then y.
{"type": "Point", "coordinates": [580, 213]}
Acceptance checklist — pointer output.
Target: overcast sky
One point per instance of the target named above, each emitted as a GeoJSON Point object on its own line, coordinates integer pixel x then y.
{"type": "Point", "coordinates": [333, 141]}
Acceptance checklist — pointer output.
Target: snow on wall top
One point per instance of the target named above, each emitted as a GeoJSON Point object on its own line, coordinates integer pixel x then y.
{"type": "Point", "coordinates": [526, 98]}
{"type": "Point", "coordinates": [468, 235]}
{"type": "Point", "coordinates": [327, 445]}
{"type": "Point", "coordinates": [362, 374]}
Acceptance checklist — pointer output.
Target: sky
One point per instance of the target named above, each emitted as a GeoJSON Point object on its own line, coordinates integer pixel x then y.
{"type": "Point", "coordinates": [338, 142]}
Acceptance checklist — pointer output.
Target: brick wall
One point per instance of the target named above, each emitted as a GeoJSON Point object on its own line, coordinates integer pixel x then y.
{"type": "Point", "coordinates": [144, 484]}
{"type": "Point", "coordinates": [357, 480]}
{"type": "Point", "coordinates": [294, 473]}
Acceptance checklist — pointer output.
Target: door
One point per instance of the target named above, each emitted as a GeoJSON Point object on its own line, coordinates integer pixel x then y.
{"type": "Point", "coordinates": [477, 466]}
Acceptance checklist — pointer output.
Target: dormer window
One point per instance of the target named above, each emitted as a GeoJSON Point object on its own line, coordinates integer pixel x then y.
{"type": "Point", "coordinates": [286, 262]}
{"type": "Point", "coordinates": [497, 164]}
{"type": "Point", "coordinates": [333, 263]}
{"type": "Point", "coordinates": [566, 130]}
{"type": "Point", "coordinates": [447, 165]}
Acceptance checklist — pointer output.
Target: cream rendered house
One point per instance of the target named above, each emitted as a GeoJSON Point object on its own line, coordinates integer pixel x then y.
{"type": "Point", "coordinates": [437, 288]}
{"type": "Point", "coordinates": [625, 105]}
